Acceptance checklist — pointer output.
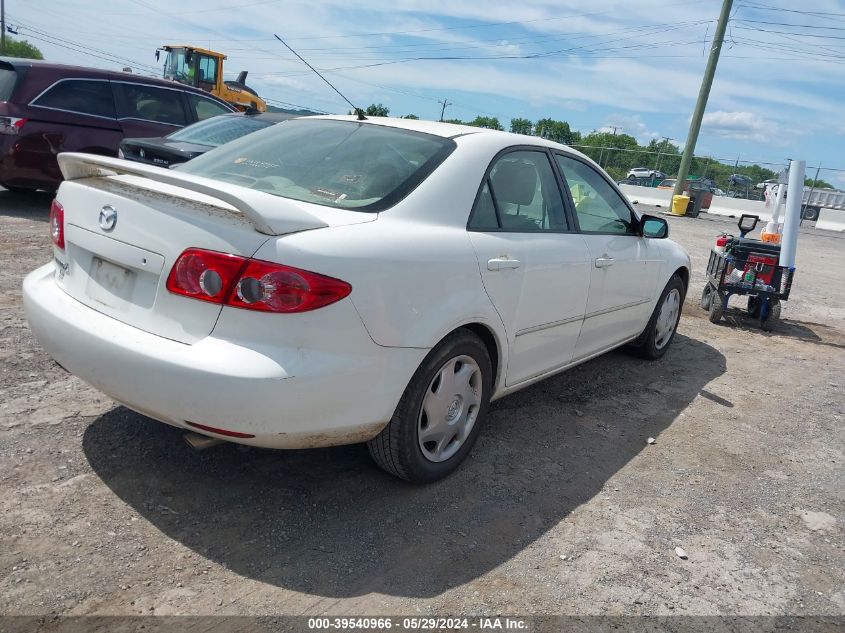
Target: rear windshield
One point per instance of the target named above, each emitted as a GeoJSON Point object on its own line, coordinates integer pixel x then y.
{"type": "Point", "coordinates": [7, 83]}
{"type": "Point", "coordinates": [343, 164]}
{"type": "Point", "coordinates": [219, 130]}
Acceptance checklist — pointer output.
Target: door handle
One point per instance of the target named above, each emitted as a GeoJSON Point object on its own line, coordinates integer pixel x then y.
{"type": "Point", "coordinates": [604, 261]}
{"type": "Point", "coordinates": [502, 263]}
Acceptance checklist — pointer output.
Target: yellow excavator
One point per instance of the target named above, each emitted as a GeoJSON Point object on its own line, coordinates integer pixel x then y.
{"type": "Point", "coordinates": [203, 69]}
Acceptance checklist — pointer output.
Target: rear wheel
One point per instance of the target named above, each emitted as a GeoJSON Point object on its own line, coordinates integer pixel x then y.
{"type": "Point", "coordinates": [717, 307]}
{"type": "Point", "coordinates": [440, 414]}
{"type": "Point", "coordinates": [811, 213]}
{"type": "Point", "coordinates": [658, 334]}
{"type": "Point", "coordinates": [772, 317]}
{"type": "Point", "coordinates": [754, 304]}
{"type": "Point", "coordinates": [706, 297]}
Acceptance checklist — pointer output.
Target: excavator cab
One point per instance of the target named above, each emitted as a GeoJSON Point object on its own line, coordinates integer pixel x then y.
{"type": "Point", "coordinates": [203, 69]}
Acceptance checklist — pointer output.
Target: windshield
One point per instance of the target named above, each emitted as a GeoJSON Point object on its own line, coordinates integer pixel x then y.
{"type": "Point", "coordinates": [176, 67]}
{"type": "Point", "coordinates": [344, 164]}
{"type": "Point", "coordinates": [219, 130]}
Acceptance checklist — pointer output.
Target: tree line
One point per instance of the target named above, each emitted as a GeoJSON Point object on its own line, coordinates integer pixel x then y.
{"type": "Point", "coordinates": [619, 153]}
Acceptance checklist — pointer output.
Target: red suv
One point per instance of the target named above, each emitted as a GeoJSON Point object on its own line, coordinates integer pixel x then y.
{"type": "Point", "coordinates": [50, 108]}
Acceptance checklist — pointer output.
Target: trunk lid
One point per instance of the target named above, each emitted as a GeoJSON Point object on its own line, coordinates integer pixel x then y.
{"type": "Point", "coordinates": [122, 270]}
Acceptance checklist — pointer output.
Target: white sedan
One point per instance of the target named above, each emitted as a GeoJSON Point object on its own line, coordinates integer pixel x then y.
{"type": "Point", "coordinates": [329, 281]}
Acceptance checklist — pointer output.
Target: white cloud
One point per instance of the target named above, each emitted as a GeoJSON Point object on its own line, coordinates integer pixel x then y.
{"type": "Point", "coordinates": [740, 126]}
{"type": "Point", "coordinates": [631, 125]}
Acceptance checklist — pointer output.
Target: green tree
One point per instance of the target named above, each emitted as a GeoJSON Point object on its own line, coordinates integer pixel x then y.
{"type": "Point", "coordinates": [377, 109]}
{"type": "Point", "coordinates": [818, 184]}
{"type": "Point", "coordinates": [455, 121]}
{"type": "Point", "coordinates": [557, 131]}
{"type": "Point", "coordinates": [411, 116]}
{"type": "Point", "coordinates": [521, 126]}
{"type": "Point", "coordinates": [491, 123]}
{"type": "Point", "coordinates": [21, 48]}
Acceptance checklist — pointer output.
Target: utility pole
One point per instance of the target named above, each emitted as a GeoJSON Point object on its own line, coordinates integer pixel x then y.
{"type": "Point", "coordinates": [660, 149]}
{"type": "Point", "coordinates": [2, 27]}
{"type": "Point", "coordinates": [442, 110]}
{"type": "Point", "coordinates": [703, 94]}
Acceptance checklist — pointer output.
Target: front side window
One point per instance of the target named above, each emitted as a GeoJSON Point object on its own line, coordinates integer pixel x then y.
{"type": "Point", "coordinates": [343, 164]}
{"type": "Point", "coordinates": [520, 195]}
{"type": "Point", "coordinates": [85, 96]}
{"type": "Point", "coordinates": [150, 103]}
{"type": "Point", "coordinates": [598, 207]}
{"type": "Point", "coordinates": [205, 108]}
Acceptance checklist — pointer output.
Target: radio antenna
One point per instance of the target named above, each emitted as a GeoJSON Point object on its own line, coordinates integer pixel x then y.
{"type": "Point", "coordinates": [357, 111]}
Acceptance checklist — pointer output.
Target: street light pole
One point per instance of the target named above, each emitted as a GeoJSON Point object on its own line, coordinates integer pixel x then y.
{"type": "Point", "coordinates": [703, 94]}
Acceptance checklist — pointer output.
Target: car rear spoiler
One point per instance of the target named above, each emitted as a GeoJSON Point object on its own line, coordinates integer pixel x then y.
{"type": "Point", "coordinates": [269, 214]}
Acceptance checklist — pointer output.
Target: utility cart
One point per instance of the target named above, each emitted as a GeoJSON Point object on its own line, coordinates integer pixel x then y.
{"type": "Point", "coordinates": [746, 267]}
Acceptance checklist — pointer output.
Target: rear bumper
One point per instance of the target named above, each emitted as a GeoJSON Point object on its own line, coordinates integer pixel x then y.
{"type": "Point", "coordinates": [286, 396]}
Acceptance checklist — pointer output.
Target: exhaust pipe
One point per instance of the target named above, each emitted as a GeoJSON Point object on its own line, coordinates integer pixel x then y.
{"type": "Point", "coordinates": [201, 442]}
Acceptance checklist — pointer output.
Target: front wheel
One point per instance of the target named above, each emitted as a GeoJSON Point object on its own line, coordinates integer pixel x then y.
{"type": "Point", "coordinates": [658, 334]}
{"type": "Point", "coordinates": [441, 412]}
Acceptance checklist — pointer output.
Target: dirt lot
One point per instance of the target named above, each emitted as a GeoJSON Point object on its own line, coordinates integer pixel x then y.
{"type": "Point", "coordinates": [563, 508]}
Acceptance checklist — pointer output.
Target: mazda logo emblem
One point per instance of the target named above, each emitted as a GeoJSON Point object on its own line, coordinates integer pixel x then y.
{"type": "Point", "coordinates": [108, 218]}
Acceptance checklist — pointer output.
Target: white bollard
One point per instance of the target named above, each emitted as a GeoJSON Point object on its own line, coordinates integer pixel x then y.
{"type": "Point", "coordinates": [792, 217]}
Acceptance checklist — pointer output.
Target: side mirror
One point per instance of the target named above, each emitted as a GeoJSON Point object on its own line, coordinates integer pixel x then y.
{"type": "Point", "coordinates": [654, 227]}
{"type": "Point", "coordinates": [158, 53]}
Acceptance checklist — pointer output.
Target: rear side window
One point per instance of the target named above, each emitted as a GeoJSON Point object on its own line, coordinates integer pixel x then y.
{"type": "Point", "coordinates": [343, 164]}
{"type": "Point", "coordinates": [205, 108]}
{"type": "Point", "coordinates": [85, 96]}
{"type": "Point", "coordinates": [7, 83]}
{"type": "Point", "coordinates": [149, 103]}
{"type": "Point", "coordinates": [520, 195]}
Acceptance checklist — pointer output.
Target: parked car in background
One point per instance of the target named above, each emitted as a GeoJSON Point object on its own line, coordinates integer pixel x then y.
{"type": "Point", "coordinates": [696, 186]}
{"type": "Point", "coordinates": [740, 180]}
{"type": "Point", "coordinates": [330, 281]}
{"type": "Point", "coordinates": [196, 139]}
{"type": "Point", "coordinates": [766, 184]}
{"type": "Point", "coordinates": [50, 108]}
{"type": "Point", "coordinates": [645, 172]}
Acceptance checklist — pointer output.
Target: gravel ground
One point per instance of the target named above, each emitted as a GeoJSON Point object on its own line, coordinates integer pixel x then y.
{"type": "Point", "coordinates": [563, 507]}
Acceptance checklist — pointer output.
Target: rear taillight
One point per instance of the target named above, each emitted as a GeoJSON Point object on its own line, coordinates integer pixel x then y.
{"type": "Point", "coordinates": [57, 224]}
{"type": "Point", "coordinates": [11, 126]}
{"type": "Point", "coordinates": [252, 284]}
{"type": "Point", "coordinates": [205, 275]}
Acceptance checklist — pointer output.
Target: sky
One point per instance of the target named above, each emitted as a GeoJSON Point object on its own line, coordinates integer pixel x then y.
{"type": "Point", "coordinates": [779, 90]}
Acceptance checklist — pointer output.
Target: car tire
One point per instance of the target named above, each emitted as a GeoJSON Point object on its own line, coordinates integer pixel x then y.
{"type": "Point", "coordinates": [663, 324]}
{"type": "Point", "coordinates": [811, 213]}
{"type": "Point", "coordinates": [424, 412]}
{"type": "Point", "coordinates": [717, 307]}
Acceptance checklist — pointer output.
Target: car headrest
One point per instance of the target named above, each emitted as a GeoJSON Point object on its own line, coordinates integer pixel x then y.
{"type": "Point", "coordinates": [514, 181]}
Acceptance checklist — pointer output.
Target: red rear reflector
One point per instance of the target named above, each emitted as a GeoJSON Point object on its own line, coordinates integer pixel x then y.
{"type": "Point", "coordinates": [205, 275]}
{"type": "Point", "coordinates": [57, 224]}
{"type": "Point", "coordinates": [252, 284]}
{"type": "Point", "coordinates": [211, 429]}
